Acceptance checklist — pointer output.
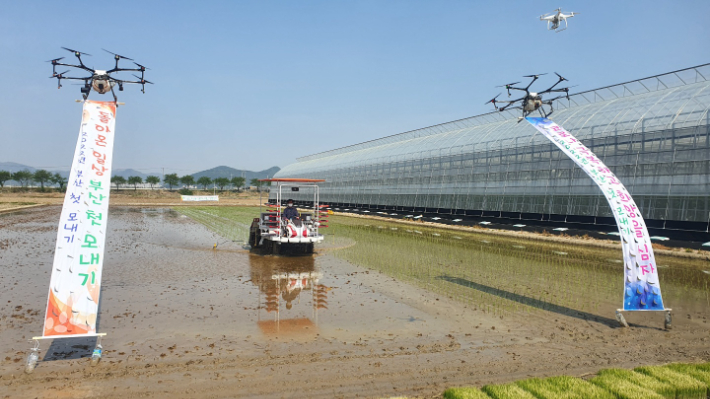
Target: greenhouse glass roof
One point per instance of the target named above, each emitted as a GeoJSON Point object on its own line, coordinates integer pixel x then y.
{"type": "Point", "coordinates": [673, 100]}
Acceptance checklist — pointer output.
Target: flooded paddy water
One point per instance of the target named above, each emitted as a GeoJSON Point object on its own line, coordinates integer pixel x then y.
{"type": "Point", "coordinates": [382, 309]}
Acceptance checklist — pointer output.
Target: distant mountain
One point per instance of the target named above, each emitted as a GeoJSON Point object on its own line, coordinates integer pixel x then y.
{"type": "Point", "coordinates": [220, 171]}
{"type": "Point", "coordinates": [226, 171]}
{"type": "Point", "coordinates": [13, 167]}
{"type": "Point", "coordinates": [131, 172]}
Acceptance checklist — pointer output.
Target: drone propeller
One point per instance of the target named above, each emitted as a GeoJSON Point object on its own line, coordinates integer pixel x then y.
{"type": "Point", "coordinates": [508, 85]}
{"type": "Point", "coordinates": [143, 81]}
{"type": "Point", "coordinates": [117, 55]}
{"type": "Point", "coordinates": [493, 101]}
{"type": "Point", "coordinates": [560, 76]}
{"type": "Point", "coordinates": [55, 60]}
{"type": "Point", "coordinates": [58, 75]}
{"type": "Point", "coordinates": [534, 76]}
{"type": "Point", "coordinates": [74, 51]}
{"type": "Point", "coordinates": [566, 89]}
{"type": "Point", "coordinates": [141, 66]}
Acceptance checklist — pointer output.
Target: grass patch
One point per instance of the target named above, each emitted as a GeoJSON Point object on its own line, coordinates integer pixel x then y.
{"type": "Point", "coordinates": [662, 388]}
{"type": "Point", "coordinates": [507, 391]}
{"type": "Point", "coordinates": [465, 393]}
{"type": "Point", "coordinates": [700, 372]}
{"type": "Point", "coordinates": [624, 389]}
{"type": "Point", "coordinates": [564, 387]}
{"type": "Point", "coordinates": [685, 385]}
{"type": "Point", "coordinates": [231, 222]}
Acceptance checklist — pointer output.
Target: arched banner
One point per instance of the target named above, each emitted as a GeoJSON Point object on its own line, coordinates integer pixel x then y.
{"type": "Point", "coordinates": [642, 290]}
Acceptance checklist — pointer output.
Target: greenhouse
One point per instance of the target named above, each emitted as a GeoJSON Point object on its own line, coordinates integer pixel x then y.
{"type": "Point", "coordinates": [654, 133]}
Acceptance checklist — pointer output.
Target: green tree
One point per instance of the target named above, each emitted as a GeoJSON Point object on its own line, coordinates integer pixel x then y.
{"type": "Point", "coordinates": [238, 182]}
{"type": "Point", "coordinates": [42, 176]}
{"type": "Point", "coordinates": [152, 180]}
{"type": "Point", "coordinates": [135, 180]}
{"type": "Point", "coordinates": [256, 183]}
{"type": "Point", "coordinates": [59, 181]}
{"type": "Point", "coordinates": [23, 177]}
{"type": "Point", "coordinates": [221, 182]}
{"type": "Point", "coordinates": [204, 181]}
{"type": "Point", "coordinates": [118, 180]}
{"type": "Point", "coordinates": [4, 176]}
{"type": "Point", "coordinates": [171, 180]}
{"type": "Point", "coordinates": [187, 180]}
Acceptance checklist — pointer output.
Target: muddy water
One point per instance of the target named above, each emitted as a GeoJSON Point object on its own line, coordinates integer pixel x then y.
{"type": "Point", "coordinates": [506, 276]}
{"type": "Point", "coordinates": [187, 320]}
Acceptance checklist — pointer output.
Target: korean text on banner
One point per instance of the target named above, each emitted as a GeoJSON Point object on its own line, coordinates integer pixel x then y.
{"type": "Point", "coordinates": [642, 290]}
{"type": "Point", "coordinates": [75, 284]}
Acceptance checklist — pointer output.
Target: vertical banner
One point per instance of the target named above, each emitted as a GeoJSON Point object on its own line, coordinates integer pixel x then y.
{"type": "Point", "coordinates": [75, 284]}
{"type": "Point", "coordinates": [642, 290]}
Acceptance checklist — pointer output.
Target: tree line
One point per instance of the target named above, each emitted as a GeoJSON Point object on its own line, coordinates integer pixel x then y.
{"type": "Point", "coordinates": [40, 176]}
{"type": "Point", "coordinates": [173, 180]}
{"type": "Point", "coordinates": [44, 177]}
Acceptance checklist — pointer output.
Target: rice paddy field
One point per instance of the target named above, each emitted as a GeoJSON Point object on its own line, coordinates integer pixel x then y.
{"type": "Point", "coordinates": [381, 309]}
{"type": "Point", "coordinates": [507, 277]}
{"type": "Point", "coordinates": [502, 276]}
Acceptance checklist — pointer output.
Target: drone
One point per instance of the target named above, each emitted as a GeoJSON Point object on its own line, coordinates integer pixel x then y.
{"type": "Point", "coordinates": [531, 101]}
{"type": "Point", "coordinates": [101, 81]}
{"type": "Point", "coordinates": [555, 18]}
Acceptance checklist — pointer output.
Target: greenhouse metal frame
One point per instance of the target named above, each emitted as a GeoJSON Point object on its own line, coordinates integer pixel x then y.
{"type": "Point", "coordinates": [654, 133]}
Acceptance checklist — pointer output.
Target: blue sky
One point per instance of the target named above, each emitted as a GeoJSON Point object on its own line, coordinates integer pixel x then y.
{"type": "Point", "coordinates": [253, 84]}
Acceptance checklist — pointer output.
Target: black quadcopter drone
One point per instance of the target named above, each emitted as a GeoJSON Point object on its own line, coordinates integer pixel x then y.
{"type": "Point", "coordinates": [101, 81]}
{"type": "Point", "coordinates": [531, 102]}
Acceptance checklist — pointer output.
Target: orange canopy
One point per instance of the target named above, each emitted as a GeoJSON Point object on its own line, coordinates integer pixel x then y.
{"type": "Point", "coordinates": [294, 180]}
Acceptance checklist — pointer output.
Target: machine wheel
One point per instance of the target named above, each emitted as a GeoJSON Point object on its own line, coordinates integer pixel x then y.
{"type": "Point", "coordinates": [275, 248]}
{"type": "Point", "coordinates": [309, 248]}
{"type": "Point", "coordinates": [251, 240]}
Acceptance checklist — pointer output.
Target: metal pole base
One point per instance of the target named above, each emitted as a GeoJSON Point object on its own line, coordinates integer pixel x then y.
{"type": "Point", "coordinates": [96, 355]}
{"type": "Point", "coordinates": [668, 319]}
{"type": "Point", "coordinates": [666, 324]}
{"type": "Point", "coordinates": [620, 318]}
{"type": "Point", "coordinates": [32, 358]}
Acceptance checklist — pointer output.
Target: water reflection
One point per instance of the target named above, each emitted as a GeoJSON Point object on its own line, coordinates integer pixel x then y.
{"type": "Point", "coordinates": [290, 294]}
{"type": "Point", "coordinates": [508, 274]}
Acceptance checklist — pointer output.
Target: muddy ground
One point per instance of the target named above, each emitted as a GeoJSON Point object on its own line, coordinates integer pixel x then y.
{"type": "Point", "coordinates": [185, 321]}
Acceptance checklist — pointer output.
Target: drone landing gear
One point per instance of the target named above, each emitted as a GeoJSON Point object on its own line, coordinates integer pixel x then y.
{"type": "Point", "coordinates": [115, 99]}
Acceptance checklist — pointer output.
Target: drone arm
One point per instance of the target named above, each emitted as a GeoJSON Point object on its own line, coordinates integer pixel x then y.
{"type": "Point", "coordinates": [530, 84]}
{"type": "Point", "coordinates": [117, 69]}
{"type": "Point", "coordinates": [85, 79]}
{"type": "Point", "coordinates": [84, 67]}
{"type": "Point", "coordinates": [560, 90]}
{"type": "Point", "coordinates": [552, 88]}
{"type": "Point", "coordinates": [127, 81]}
{"type": "Point", "coordinates": [510, 101]}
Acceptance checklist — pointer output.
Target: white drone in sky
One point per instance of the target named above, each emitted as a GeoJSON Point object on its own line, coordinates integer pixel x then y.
{"type": "Point", "coordinates": [554, 19]}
